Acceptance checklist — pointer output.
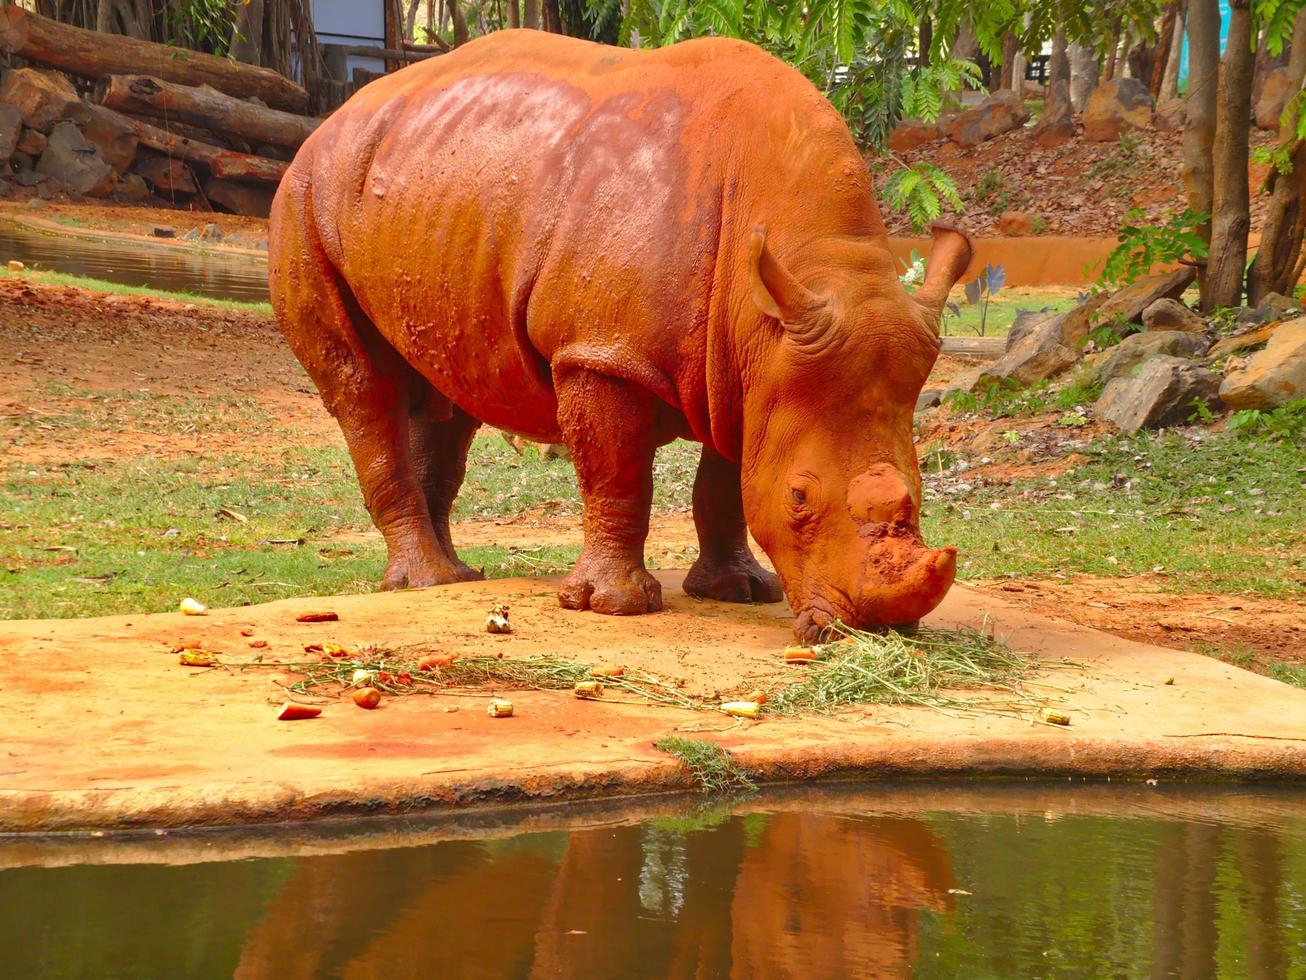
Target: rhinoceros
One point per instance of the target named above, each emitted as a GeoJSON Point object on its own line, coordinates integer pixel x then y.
{"type": "Point", "coordinates": [612, 249]}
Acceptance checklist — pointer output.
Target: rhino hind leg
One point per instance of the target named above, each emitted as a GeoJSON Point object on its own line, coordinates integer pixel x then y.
{"type": "Point", "coordinates": [439, 436]}
{"type": "Point", "coordinates": [367, 386]}
{"type": "Point", "coordinates": [611, 429]}
{"type": "Point", "coordinates": [726, 568]}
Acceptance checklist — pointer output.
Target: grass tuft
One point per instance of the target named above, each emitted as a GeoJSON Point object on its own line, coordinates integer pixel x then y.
{"type": "Point", "coordinates": [713, 768]}
{"type": "Point", "coordinates": [893, 668]}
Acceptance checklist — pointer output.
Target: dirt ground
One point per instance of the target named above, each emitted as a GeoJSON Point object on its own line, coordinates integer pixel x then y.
{"type": "Point", "coordinates": [59, 346]}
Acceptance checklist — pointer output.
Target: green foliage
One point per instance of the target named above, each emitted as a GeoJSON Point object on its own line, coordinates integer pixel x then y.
{"type": "Point", "coordinates": [920, 190]}
{"type": "Point", "coordinates": [1280, 157]}
{"type": "Point", "coordinates": [1287, 421]}
{"type": "Point", "coordinates": [713, 768]}
{"type": "Point", "coordinates": [1001, 399]}
{"type": "Point", "coordinates": [201, 25]}
{"type": "Point", "coordinates": [1106, 335]}
{"type": "Point", "coordinates": [1201, 412]}
{"type": "Point", "coordinates": [981, 289]}
{"type": "Point", "coordinates": [1143, 247]}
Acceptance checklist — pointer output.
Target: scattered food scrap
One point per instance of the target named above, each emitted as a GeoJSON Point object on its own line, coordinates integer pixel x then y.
{"type": "Point", "coordinates": [499, 708]}
{"type": "Point", "coordinates": [497, 620]}
{"type": "Point", "coordinates": [741, 709]}
{"type": "Point", "coordinates": [291, 711]}
{"type": "Point", "coordinates": [321, 616]}
{"type": "Point", "coordinates": [367, 697]}
{"type": "Point", "coordinates": [198, 658]}
{"type": "Point", "coordinates": [588, 690]}
{"type": "Point", "coordinates": [193, 607]}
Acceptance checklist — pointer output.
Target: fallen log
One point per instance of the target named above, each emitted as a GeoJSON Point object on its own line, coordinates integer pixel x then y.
{"type": "Point", "coordinates": [220, 162]}
{"type": "Point", "coordinates": [91, 54]}
{"type": "Point", "coordinates": [204, 106]}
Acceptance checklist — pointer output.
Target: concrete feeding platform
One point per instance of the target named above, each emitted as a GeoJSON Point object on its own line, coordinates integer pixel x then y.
{"type": "Point", "coordinates": [103, 730]}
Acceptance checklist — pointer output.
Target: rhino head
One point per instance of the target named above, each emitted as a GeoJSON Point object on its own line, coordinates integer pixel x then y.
{"type": "Point", "coordinates": [831, 486]}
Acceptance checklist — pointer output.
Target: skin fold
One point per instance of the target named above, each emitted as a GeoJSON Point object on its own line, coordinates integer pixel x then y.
{"type": "Point", "coordinates": [611, 249]}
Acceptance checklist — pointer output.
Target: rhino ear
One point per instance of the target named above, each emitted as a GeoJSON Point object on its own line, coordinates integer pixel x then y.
{"type": "Point", "coordinates": [775, 291]}
{"type": "Point", "coordinates": [949, 257]}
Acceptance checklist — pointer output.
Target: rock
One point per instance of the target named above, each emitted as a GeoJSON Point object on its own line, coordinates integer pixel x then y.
{"type": "Point", "coordinates": [116, 141]}
{"type": "Point", "coordinates": [1241, 341]}
{"type": "Point", "coordinates": [1057, 124]}
{"type": "Point", "coordinates": [210, 233]}
{"type": "Point", "coordinates": [911, 133]}
{"type": "Point", "coordinates": [29, 178]}
{"type": "Point", "coordinates": [1274, 96]}
{"type": "Point", "coordinates": [240, 197]}
{"type": "Point", "coordinates": [1115, 107]}
{"type": "Point", "coordinates": [1025, 321]}
{"type": "Point", "coordinates": [43, 98]}
{"type": "Point", "coordinates": [1137, 348]}
{"type": "Point", "coordinates": [16, 266]}
{"type": "Point", "coordinates": [11, 126]}
{"type": "Point", "coordinates": [167, 175]}
{"type": "Point", "coordinates": [190, 235]}
{"type": "Point", "coordinates": [74, 164]}
{"type": "Point", "coordinates": [1163, 393]}
{"type": "Point", "coordinates": [1170, 116]}
{"type": "Point", "coordinates": [966, 380]}
{"type": "Point", "coordinates": [1273, 376]}
{"type": "Point", "coordinates": [1129, 302]}
{"type": "Point", "coordinates": [928, 398]}
{"type": "Point", "coordinates": [1170, 314]}
{"type": "Point", "coordinates": [33, 142]}
{"type": "Point", "coordinates": [1046, 344]}
{"type": "Point", "coordinates": [1016, 224]}
{"type": "Point", "coordinates": [996, 115]}
{"type": "Point", "coordinates": [1277, 306]}
{"type": "Point", "coordinates": [160, 231]}
{"type": "Point", "coordinates": [34, 204]}
{"type": "Point", "coordinates": [132, 189]}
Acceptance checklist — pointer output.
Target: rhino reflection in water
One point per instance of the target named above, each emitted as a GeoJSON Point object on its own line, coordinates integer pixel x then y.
{"type": "Point", "coordinates": [785, 894]}
{"type": "Point", "coordinates": [613, 249]}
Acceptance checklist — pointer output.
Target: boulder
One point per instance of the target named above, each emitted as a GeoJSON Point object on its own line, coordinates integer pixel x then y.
{"type": "Point", "coordinates": [210, 233]}
{"type": "Point", "coordinates": [1045, 344]}
{"type": "Point", "coordinates": [1057, 124]}
{"type": "Point", "coordinates": [44, 98]}
{"type": "Point", "coordinates": [240, 197]}
{"type": "Point", "coordinates": [911, 133]}
{"type": "Point", "coordinates": [117, 141]}
{"type": "Point", "coordinates": [1016, 224]}
{"type": "Point", "coordinates": [1241, 341]}
{"type": "Point", "coordinates": [1025, 321]}
{"type": "Point", "coordinates": [1276, 306]}
{"type": "Point", "coordinates": [1170, 314]}
{"type": "Point", "coordinates": [11, 127]}
{"type": "Point", "coordinates": [132, 189]}
{"type": "Point", "coordinates": [32, 142]}
{"type": "Point", "coordinates": [1137, 348]}
{"type": "Point", "coordinates": [1273, 97]}
{"type": "Point", "coordinates": [994, 116]}
{"type": "Point", "coordinates": [1115, 107]}
{"type": "Point", "coordinates": [967, 380]}
{"type": "Point", "coordinates": [74, 164]}
{"type": "Point", "coordinates": [928, 398]}
{"type": "Point", "coordinates": [1273, 376]}
{"type": "Point", "coordinates": [167, 175]}
{"type": "Point", "coordinates": [1164, 392]}
{"type": "Point", "coordinates": [1170, 116]}
{"type": "Point", "coordinates": [1129, 302]}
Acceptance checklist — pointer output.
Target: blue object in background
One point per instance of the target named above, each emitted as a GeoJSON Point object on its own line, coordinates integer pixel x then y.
{"type": "Point", "coordinates": [1224, 37]}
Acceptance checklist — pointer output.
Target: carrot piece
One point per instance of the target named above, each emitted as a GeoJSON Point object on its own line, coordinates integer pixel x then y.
{"type": "Point", "coordinates": [367, 697]}
{"type": "Point", "coordinates": [290, 711]}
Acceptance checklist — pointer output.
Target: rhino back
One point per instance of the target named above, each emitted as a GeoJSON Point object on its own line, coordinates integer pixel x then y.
{"type": "Point", "coordinates": [531, 196]}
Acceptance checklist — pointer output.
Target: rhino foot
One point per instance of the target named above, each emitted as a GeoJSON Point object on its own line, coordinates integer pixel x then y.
{"type": "Point", "coordinates": [611, 588]}
{"type": "Point", "coordinates": [405, 573]}
{"type": "Point", "coordinates": [740, 580]}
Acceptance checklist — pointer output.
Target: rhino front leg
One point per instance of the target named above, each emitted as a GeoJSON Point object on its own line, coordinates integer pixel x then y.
{"type": "Point", "coordinates": [610, 428]}
{"type": "Point", "coordinates": [726, 568]}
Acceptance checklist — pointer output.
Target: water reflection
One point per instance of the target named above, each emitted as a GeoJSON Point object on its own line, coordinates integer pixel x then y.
{"type": "Point", "coordinates": [792, 891]}
{"type": "Point", "coordinates": [215, 274]}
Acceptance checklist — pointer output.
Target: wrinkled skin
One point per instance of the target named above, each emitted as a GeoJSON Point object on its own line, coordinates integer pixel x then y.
{"type": "Point", "coordinates": [612, 249]}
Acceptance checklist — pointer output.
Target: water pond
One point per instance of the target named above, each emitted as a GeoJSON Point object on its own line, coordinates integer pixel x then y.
{"type": "Point", "coordinates": [201, 273]}
{"type": "Point", "coordinates": [883, 880]}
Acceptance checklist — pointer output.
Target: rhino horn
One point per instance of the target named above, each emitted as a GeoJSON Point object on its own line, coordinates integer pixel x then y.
{"type": "Point", "coordinates": [949, 258]}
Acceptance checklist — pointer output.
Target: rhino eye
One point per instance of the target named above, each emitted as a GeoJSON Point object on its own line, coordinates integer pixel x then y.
{"type": "Point", "coordinates": [799, 497]}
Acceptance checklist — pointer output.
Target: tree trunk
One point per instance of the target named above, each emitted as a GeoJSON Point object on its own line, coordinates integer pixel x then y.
{"type": "Point", "coordinates": [1083, 75]}
{"type": "Point", "coordinates": [410, 21]}
{"type": "Point", "coordinates": [531, 14]}
{"type": "Point", "coordinates": [89, 54]}
{"type": "Point", "coordinates": [1109, 71]}
{"type": "Point", "coordinates": [1199, 124]}
{"type": "Point", "coordinates": [1059, 63]}
{"type": "Point", "coordinates": [552, 17]}
{"type": "Point", "coordinates": [514, 13]}
{"type": "Point", "coordinates": [1010, 45]}
{"type": "Point", "coordinates": [1164, 38]}
{"type": "Point", "coordinates": [965, 46]}
{"type": "Point", "coordinates": [925, 41]}
{"type": "Point", "coordinates": [1230, 215]}
{"type": "Point", "coordinates": [1170, 83]}
{"type": "Point", "coordinates": [205, 107]}
{"type": "Point", "coordinates": [220, 162]}
{"type": "Point", "coordinates": [1285, 219]}
{"type": "Point", "coordinates": [247, 34]}
{"type": "Point", "coordinates": [460, 33]}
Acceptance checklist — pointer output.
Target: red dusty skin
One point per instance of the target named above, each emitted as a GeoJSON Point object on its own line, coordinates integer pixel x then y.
{"type": "Point", "coordinates": [614, 248]}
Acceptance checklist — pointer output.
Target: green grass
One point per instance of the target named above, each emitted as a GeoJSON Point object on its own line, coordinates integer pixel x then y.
{"type": "Point", "coordinates": [97, 538]}
{"type": "Point", "coordinates": [1220, 515]}
{"type": "Point", "coordinates": [1002, 311]}
{"type": "Point", "coordinates": [711, 766]}
{"type": "Point", "coordinates": [47, 278]}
